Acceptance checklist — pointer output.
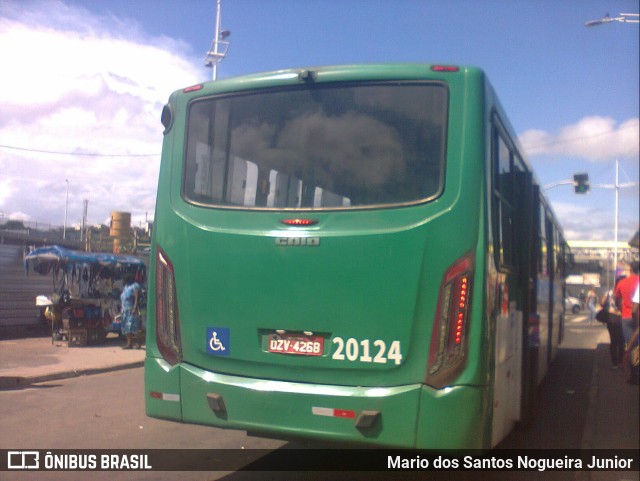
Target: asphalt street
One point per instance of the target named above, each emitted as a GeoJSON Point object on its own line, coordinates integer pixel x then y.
{"type": "Point", "coordinates": [583, 404]}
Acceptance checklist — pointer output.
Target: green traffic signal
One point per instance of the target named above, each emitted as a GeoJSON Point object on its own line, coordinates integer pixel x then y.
{"type": "Point", "coordinates": [581, 183]}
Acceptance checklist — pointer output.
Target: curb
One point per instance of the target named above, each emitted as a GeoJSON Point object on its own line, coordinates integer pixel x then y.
{"type": "Point", "coordinates": [18, 382]}
{"type": "Point", "coordinates": [586, 442]}
{"type": "Point", "coordinates": [592, 410]}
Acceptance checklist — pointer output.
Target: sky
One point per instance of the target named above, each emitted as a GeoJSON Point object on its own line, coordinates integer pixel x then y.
{"type": "Point", "coordinates": [83, 83]}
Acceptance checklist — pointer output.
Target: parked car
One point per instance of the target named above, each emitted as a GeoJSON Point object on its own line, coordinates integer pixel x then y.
{"type": "Point", "coordinates": [572, 304]}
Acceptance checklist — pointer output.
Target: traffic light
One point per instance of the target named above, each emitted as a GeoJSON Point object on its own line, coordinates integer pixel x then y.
{"type": "Point", "coordinates": [581, 183]}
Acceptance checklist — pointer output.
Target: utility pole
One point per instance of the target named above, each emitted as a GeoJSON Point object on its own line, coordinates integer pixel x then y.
{"type": "Point", "coordinates": [219, 46]}
{"type": "Point", "coordinates": [84, 218]}
{"type": "Point", "coordinates": [621, 18]}
{"type": "Point", "coordinates": [617, 186]}
{"type": "Point", "coordinates": [66, 206]}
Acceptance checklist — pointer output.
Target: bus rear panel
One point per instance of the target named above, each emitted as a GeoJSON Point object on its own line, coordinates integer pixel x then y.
{"type": "Point", "coordinates": [323, 260]}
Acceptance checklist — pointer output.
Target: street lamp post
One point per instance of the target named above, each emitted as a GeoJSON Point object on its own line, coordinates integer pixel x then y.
{"type": "Point", "coordinates": [622, 18]}
{"type": "Point", "coordinates": [615, 225]}
{"type": "Point", "coordinates": [617, 186]}
{"type": "Point", "coordinates": [66, 205]}
{"type": "Point", "coordinates": [219, 46]}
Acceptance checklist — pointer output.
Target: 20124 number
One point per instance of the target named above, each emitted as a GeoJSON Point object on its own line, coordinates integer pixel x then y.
{"type": "Point", "coordinates": [366, 350]}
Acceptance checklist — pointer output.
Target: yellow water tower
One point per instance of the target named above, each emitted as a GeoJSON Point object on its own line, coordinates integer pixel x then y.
{"type": "Point", "coordinates": [120, 231]}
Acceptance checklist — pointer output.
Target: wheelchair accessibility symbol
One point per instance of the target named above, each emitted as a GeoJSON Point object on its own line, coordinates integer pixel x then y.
{"type": "Point", "coordinates": [215, 344]}
{"type": "Point", "coordinates": [218, 341]}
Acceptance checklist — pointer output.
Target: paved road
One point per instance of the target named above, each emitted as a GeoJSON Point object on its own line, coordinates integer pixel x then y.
{"type": "Point", "coordinates": [104, 411]}
{"type": "Point", "coordinates": [107, 411]}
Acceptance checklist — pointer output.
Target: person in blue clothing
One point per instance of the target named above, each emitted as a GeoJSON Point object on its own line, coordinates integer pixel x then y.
{"type": "Point", "coordinates": [131, 322]}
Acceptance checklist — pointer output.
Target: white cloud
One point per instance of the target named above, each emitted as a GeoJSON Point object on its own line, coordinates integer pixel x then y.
{"type": "Point", "coordinates": [5, 190]}
{"type": "Point", "coordinates": [595, 223]}
{"type": "Point", "coordinates": [593, 138]}
{"type": "Point", "coordinates": [599, 140]}
{"type": "Point", "coordinates": [76, 82]}
{"type": "Point", "coordinates": [20, 216]}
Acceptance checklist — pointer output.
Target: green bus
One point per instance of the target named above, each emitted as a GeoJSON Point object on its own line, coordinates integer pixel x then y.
{"type": "Point", "coordinates": [357, 253]}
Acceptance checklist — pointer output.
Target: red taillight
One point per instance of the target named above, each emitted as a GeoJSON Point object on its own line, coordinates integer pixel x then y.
{"type": "Point", "coordinates": [448, 347]}
{"type": "Point", "coordinates": [167, 319]}
{"type": "Point", "coordinates": [299, 222]}
{"type": "Point", "coordinates": [445, 68]}
{"type": "Point", "coordinates": [462, 308]}
{"type": "Point", "coordinates": [193, 88]}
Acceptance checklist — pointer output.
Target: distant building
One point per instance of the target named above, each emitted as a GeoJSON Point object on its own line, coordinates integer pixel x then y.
{"type": "Point", "coordinates": [593, 263]}
{"type": "Point", "coordinates": [602, 250]}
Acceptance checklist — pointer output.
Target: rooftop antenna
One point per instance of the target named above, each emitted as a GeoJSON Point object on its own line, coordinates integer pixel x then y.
{"type": "Point", "coordinates": [219, 46]}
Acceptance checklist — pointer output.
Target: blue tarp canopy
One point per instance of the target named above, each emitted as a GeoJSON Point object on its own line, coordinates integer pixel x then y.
{"type": "Point", "coordinates": [56, 256]}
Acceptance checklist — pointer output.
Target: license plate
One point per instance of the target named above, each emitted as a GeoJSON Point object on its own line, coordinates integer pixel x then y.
{"type": "Point", "coordinates": [296, 344]}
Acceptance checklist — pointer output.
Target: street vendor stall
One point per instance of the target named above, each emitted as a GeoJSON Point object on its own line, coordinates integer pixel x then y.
{"type": "Point", "coordinates": [85, 302]}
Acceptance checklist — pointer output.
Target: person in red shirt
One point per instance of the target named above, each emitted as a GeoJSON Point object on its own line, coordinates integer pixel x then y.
{"type": "Point", "coordinates": [631, 352]}
{"type": "Point", "coordinates": [623, 294]}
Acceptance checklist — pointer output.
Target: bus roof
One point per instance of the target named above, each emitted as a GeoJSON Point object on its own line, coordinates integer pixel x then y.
{"type": "Point", "coordinates": [333, 73]}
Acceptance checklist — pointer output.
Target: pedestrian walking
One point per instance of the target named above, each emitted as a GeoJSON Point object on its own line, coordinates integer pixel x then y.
{"type": "Point", "coordinates": [625, 292]}
{"type": "Point", "coordinates": [131, 324]}
{"type": "Point", "coordinates": [583, 298]}
{"type": "Point", "coordinates": [614, 326]}
{"type": "Point", "coordinates": [592, 299]}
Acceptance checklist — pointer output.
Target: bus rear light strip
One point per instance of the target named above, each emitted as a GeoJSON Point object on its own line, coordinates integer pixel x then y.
{"type": "Point", "coordinates": [167, 318]}
{"type": "Point", "coordinates": [332, 412]}
{"type": "Point", "coordinates": [163, 396]}
{"type": "Point", "coordinates": [365, 420]}
{"type": "Point", "coordinates": [448, 348]}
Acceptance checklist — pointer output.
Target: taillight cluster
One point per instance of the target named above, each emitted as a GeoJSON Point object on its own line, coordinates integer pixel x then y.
{"type": "Point", "coordinates": [167, 319]}
{"type": "Point", "coordinates": [461, 299]}
{"type": "Point", "coordinates": [448, 347]}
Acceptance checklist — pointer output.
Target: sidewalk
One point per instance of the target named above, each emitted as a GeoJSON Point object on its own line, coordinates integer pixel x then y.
{"type": "Point", "coordinates": [31, 360]}
{"type": "Point", "coordinates": [613, 414]}
{"type": "Point", "coordinates": [613, 417]}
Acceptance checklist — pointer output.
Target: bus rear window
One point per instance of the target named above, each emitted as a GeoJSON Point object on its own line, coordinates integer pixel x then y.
{"type": "Point", "coordinates": [317, 147]}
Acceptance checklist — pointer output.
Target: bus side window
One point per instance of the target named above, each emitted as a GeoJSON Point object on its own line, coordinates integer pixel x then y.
{"type": "Point", "coordinates": [503, 199]}
{"type": "Point", "coordinates": [542, 258]}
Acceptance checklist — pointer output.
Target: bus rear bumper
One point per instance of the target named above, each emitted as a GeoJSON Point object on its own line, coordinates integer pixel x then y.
{"type": "Point", "coordinates": [407, 416]}
{"type": "Point", "coordinates": [291, 409]}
